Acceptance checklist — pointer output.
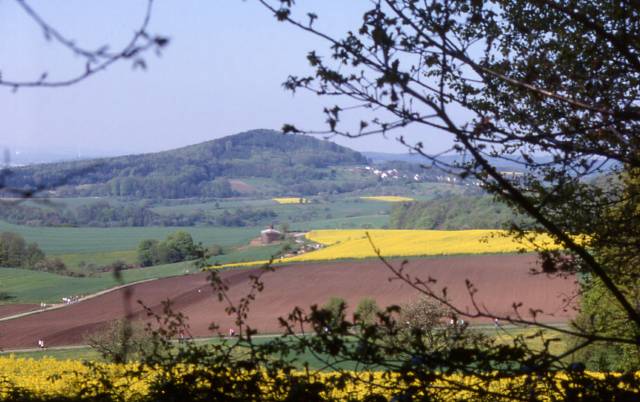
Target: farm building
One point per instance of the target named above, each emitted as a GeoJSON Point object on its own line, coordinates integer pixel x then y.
{"type": "Point", "coordinates": [270, 235]}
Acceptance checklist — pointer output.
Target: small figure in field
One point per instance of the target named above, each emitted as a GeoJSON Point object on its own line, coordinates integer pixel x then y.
{"type": "Point", "coordinates": [232, 332]}
{"type": "Point", "coordinates": [41, 343]}
{"type": "Point", "coordinates": [496, 322]}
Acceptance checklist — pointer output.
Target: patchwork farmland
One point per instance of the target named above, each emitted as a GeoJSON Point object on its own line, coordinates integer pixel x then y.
{"type": "Point", "coordinates": [501, 281]}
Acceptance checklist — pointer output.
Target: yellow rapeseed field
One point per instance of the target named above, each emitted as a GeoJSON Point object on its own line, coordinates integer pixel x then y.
{"type": "Point", "coordinates": [291, 200]}
{"type": "Point", "coordinates": [388, 198]}
{"type": "Point", "coordinates": [49, 378]}
{"type": "Point", "coordinates": [354, 244]}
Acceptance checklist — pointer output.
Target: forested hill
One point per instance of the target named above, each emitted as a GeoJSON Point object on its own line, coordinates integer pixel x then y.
{"type": "Point", "coordinates": [197, 170]}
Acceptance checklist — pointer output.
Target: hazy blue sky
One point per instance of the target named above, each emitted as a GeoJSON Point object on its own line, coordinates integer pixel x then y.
{"type": "Point", "coordinates": [221, 75]}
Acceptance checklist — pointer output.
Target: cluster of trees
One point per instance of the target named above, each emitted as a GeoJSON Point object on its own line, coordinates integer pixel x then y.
{"type": "Point", "coordinates": [324, 186]}
{"type": "Point", "coordinates": [453, 212]}
{"type": "Point", "coordinates": [188, 183]}
{"type": "Point", "coordinates": [616, 242]}
{"type": "Point", "coordinates": [15, 252]}
{"type": "Point", "coordinates": [422, 315]}
{"type": "Point", "coordinates": [178, 246]}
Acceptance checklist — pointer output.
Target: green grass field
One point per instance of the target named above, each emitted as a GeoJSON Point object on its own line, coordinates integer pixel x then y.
{"type": "Point", "coordinates": [356, 222]}
{"type": "Point", "coordinates": [248, 254]}
{"type": "Point", "coordinates": [25, 286]}
{"type": "Point", "coordinates": [505, 335]}
{"type": "Point", "coordinates": [98, 259]}
{"type": "Point", "coordinates": [87, 353]}
{"type": "Point", "coordinates": [80, 353]}
{"type": "Point", "coordinates": [64, 240]}
{"type": "Point", "coordinates": [337, 212]}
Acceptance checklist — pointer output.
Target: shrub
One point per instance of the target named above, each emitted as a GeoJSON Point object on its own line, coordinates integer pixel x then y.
{"type": "Point", "coordinates": [52, 265]}
{"type": "Point", "coordinates": [15, 252]}
{"type": "Point", "coordinates": [121, 341]}
{"type": "Point", "coordinates": [366, 311]}
{"type": "Point", "coordinates": [215, 249]}
{"type": "Point", "coordinates": [335, 308]}
{"type": "Point", "coordinates": [424, 315]}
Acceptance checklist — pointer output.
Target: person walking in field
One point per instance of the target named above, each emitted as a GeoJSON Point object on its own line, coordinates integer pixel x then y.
{"type": "Point", "coordinates": [41, 343]}
{"type": "Point", "coordinates": [232, 332]}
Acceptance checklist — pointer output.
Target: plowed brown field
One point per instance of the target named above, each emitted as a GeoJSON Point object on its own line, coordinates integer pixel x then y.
{"type": "Point", "coordinates": [7, 310]}
{"type": "Point", "coordinates": [500, 281]}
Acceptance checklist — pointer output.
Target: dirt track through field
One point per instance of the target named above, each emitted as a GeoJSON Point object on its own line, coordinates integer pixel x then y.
{"type": "Point", "coordinates": [500, 281]}
{"type": "Point", "coordinates": [7, 310]}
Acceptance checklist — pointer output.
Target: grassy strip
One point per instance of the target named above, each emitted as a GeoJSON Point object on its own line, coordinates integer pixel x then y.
{"type": "Point", "coordinates": [393, 258]}
{"type": "Point", "coordinates": [505, 334]}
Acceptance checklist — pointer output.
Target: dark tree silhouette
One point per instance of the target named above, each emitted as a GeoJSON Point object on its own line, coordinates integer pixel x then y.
{"type": "Point", "coordinates": [550, 85]}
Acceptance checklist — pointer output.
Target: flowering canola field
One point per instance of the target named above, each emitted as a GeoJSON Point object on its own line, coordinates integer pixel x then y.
{"type": "Point", "coordinates": [388, 198]}
{"type": "Point", "coordinates": [49, 378]}
{"type": "Point", "coordinates": [405, 243]}
{"type": "Point", "coordinates": [355, 244]}
{"type": "Point", "coordinates": [291, 200]}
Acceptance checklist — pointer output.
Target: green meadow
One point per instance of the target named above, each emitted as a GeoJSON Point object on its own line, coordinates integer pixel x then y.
{"type": "Point", "coordinates": [71, 240]}
{"type": "Point", "coordinates": [26, 286]}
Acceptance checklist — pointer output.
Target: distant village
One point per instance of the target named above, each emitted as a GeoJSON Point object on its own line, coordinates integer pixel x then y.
{"type": "Point", "coordinates": [395, 174]}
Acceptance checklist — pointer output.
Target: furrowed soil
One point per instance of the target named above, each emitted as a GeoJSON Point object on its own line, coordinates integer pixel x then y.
{"type": "Point", "coordinates": [500, 281]}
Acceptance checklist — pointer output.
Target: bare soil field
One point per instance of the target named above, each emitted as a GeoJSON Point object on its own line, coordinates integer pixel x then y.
{"type": "Point", "coordinates": [241, 187]}
{"type": "Point", "coordinates": [500, 281]}
{"type": "Point", "coordinates": [7, 310]}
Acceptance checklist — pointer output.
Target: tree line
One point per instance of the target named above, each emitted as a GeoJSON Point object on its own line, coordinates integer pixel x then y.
{"type": "Point", "coordinates": [106, 214]}
{"type": "Point", "coordinates": [453, 212]}
{"type": "Point", "coordinates": [176, 247]}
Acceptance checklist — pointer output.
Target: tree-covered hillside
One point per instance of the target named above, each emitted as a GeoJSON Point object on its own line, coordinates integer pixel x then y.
{"type": "Point", "coordinates": [453, 212]}
{"type": "Point", "coordinates": [197, 170]}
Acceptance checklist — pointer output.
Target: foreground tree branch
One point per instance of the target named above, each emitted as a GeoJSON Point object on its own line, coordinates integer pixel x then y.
{"type": "Point", "coordinates": [94, 60]}
{"type": "Point", "coordinates": [564, 104]}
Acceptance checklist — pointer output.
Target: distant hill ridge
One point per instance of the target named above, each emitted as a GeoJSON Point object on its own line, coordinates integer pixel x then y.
{"type": "Point", "coordinates": [196, 170]}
